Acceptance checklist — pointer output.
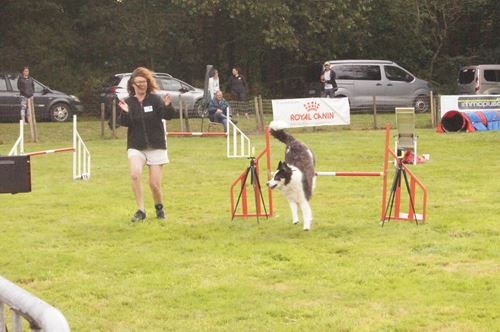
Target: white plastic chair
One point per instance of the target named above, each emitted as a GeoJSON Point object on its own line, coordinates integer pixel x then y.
{"type": "Point", "coordinates": [406, 137]}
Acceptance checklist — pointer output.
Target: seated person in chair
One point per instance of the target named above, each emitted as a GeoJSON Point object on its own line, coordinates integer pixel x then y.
{"type": "Point", "coordinates": [218, 110]}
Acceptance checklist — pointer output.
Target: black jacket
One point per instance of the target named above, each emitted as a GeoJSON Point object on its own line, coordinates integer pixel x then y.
{"type": "Point", "coordinates": [237, 84]}
{"type": "Point", "coordinates": [145, 128]}
{"type": "Point", "coordinates": [333, 76]}
{"type": "Point", "coordinates": [26, 86]}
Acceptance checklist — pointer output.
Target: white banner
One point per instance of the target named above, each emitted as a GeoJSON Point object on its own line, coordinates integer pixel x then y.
{"type": "Point", "coordinates": [308, 112]}
{"type": "Point", "coordinates": [469, 103]}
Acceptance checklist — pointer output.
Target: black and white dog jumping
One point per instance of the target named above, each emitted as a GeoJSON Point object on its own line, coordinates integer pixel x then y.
{"type": "Point", "coordinates": [295, 177]}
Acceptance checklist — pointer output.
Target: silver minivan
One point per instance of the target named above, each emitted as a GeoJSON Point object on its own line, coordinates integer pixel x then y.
{"type": "Point", "coordinates": [360, 80]}
{"type": "Point", "coordinates": [479, 80]}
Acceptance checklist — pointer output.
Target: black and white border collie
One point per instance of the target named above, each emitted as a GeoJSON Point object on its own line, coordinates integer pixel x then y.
{"type": "Point", "coordinates": [295, 177]}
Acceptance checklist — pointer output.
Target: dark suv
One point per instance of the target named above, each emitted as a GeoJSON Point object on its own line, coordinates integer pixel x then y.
{"type": "Point", "coordinates": [49, 104]}
{"type": "Point", "coordinates": [115, 88]}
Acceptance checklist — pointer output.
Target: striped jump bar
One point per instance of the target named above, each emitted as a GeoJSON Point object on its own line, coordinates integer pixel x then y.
{"type": "Point", "coordinates": [188, 133]}
{"type": "Point", "coordinates": [38, 153]}
{"type": "Point", "coordinates": [350, 173]}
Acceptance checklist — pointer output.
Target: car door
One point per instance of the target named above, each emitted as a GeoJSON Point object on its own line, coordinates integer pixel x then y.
{"type": "Point", "coordinates": [10, 104]}
{"type": "Point", "coordinates": [42, 99]}
{"type": "Point", "coordinates": [398, 88]}
{"type": "Point", "coordinates": [367, 83]}
{"type": "Point", "coordinates": [171, 87]}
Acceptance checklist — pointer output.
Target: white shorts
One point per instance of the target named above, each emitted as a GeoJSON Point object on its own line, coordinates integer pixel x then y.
{"type": "Point", "coordinates": [151, 157]}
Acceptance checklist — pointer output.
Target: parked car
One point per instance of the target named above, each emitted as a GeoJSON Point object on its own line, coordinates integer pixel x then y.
{"type": "Point", "coordinates": [360, 80]}
{"type": "Point", "coordinates": [479, 80]}
{"type": "Point", "coordinates": [115, 88]}
{"type": "Point", "coordinates": [49, 104]}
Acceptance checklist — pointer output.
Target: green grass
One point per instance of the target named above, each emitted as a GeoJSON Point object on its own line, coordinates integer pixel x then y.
{"type": "Point", "coordinates": [71, 243]}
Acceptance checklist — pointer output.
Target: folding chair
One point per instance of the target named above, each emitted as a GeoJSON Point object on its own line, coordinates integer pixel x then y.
{"type": "Point", "coordinates": [211, 124]}
{"type": "Point", "coordinates": [406, 137]}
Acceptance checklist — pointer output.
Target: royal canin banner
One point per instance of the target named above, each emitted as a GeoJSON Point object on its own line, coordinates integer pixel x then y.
{"type": "Point", "coordinates": [309, 112]}
{"type": "Point", "coordinates": [469, 103]}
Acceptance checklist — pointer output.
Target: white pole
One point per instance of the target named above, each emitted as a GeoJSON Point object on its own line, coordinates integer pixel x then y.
{"type": "Point", "coordinates": [21, 135]}
{"type": "Point", "coordinates": [75, 153]}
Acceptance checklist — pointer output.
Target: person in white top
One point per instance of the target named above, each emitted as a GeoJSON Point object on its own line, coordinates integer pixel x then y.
{"type": "Point", "coordinates": [213, 83]}
{"type": "Point", "coordinates": [328, 79]}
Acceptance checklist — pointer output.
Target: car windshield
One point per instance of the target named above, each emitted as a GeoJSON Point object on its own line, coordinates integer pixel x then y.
{"type": "Point", "coordinates": [112, 81]}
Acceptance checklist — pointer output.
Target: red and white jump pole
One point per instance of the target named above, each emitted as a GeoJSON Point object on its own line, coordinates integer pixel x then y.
{"type": "Point", "coordinates": [349, 173]}
{"type": "Point", "coordinates": [39, 153]}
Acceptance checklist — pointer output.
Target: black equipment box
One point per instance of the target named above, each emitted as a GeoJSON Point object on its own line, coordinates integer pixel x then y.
{"type": "Point", "coordinates": [15, 174]}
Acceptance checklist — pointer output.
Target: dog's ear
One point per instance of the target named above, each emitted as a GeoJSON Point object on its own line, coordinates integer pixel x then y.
{"type": "Point", "coordinates": [284, 166]}
{"type": "Point", "coordinates": [279, 165]}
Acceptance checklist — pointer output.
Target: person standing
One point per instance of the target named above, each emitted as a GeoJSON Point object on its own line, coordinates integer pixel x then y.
{"type": "Point", "coordinates": [26, 86]}
{"type": "Point", "coordinates": [237, 86]}
{"type": "Point", "coordinates": [142, 114]}
{"type": "Point", "coordinates": [213, 83]}
{"type": "Point", "coordinates": [328, 79]}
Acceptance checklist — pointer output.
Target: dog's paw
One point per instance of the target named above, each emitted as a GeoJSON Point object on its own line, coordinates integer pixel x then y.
{"type": "Point", "coordinates": [295, 222]}
{"type": "Point", "coordinates": [307, 229]}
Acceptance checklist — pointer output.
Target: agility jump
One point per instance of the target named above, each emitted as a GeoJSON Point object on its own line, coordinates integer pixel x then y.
{"type": "Point", "coordinates": [81, 154]}
{"type": "Point", "coordinates": [392, 211]}
{"type": "Point", "coordinates": [237, 143]}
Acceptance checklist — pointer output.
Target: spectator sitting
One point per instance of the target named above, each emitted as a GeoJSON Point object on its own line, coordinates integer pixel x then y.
{"type": "Point", "coordinates": [218, 110]}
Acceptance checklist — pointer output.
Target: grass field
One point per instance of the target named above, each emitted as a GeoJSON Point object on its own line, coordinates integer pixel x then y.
{"type": "Point", "coordinates": [71, 243]}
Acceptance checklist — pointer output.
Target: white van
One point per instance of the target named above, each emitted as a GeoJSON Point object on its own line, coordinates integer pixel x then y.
{"type": "Point", "coordinates": [360, 80]}
{"type": "Point", "coordinates": [479, 80]}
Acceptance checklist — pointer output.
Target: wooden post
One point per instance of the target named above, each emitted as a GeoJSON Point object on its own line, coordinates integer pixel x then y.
{"type": "Point", "coordinates": [433, 114]}
{"type": "Point", "coordinates": [181, 114]}
{"type": "Point", "coordinates": [261, 114]}
{"type": "Point", "coordinates": [256, 103]}
{"type": "Point", "coordinates": [102, 119]}
{"type": "Point", "coordinates": [375, 112]}
{"type": "Point", "coordinates": [186, 114]}
{"type": "Point", "coordinates": [33, 127]}
{"type": "Point", "coordinates": [113, 118]}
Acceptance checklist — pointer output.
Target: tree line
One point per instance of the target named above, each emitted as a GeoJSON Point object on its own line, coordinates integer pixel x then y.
{"type": "Point", "coordinates": [74, 45]}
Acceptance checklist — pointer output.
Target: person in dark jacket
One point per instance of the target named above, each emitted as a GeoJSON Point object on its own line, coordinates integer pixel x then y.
{"type": "Point", "coordinates": [238, 86]}
{"type": "Point", "coordinates": [218, 109]}
{"type": "Point", "coordinates": [328, 79]}
{"type": "Point", "coordinates": [142, 114]}
{"type": "Point", "coordinates": [26, 86]}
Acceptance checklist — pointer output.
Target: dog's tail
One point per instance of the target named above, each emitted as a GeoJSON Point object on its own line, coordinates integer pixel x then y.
{"type": "Point", "coordinates": [278, 132]}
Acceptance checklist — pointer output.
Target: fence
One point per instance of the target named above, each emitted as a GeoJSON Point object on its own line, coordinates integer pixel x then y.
{"type": "Point", "coordinates": [373, 115]}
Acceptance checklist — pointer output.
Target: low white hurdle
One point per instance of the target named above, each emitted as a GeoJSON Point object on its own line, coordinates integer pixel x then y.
{"type": "Point", "coordinates": [237, 143]}
{"type": "Point", "coordinates": [81, 154]}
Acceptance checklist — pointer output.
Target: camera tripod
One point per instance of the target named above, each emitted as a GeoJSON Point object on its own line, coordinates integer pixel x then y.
{"type": "Point", "coordinates": [254, 180]}
{"type": "Point", "coordinates": [396, 184]}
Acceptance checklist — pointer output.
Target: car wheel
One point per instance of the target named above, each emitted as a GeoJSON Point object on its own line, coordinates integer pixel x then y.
{"type": "Point", "coordinates": [59, 112]}
{"type": "Point", "coordinates": [422, 104]}
{"type": "Point", "coordinates": [200, 108]}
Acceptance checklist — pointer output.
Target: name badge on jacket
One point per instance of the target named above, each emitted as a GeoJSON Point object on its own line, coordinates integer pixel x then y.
{"type": "Point", "coordinates": [148, 109]}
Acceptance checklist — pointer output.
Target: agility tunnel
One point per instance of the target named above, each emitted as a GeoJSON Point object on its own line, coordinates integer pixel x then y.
{"type": "Point", "coordinates": [455, 121]}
